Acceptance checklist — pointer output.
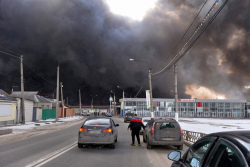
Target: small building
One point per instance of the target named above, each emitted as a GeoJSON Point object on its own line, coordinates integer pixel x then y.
{"type": "Point", "coordinates": [7, 108]}
{"type": "Point", "coordinates": [39, 101]}
{"type": "Point", "coordinates": [33, 105]}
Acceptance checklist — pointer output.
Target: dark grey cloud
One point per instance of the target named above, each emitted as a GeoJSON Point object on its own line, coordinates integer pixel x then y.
{"type": "Point", "coordinates": [101, 44]}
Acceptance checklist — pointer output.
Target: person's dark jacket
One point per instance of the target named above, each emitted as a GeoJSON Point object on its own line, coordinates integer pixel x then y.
{"type": "Point", "coordinates": [136, 124]}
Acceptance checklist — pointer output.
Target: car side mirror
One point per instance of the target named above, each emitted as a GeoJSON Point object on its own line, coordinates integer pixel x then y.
{"type": "Point", "coordinates": [174, 155]}
{"type": "Point", "coordinates": [116, 124]}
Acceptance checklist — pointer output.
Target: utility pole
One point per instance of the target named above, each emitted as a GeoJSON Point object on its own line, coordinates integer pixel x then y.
{"type": "Point", "coordinates": [62, 99]}
{"type": "Point", "coordinates": [114, 103]}
{"type": "Point", "coordinates": [92, 102]}
{"type": "Point", "coordinates": [57, 93]}
{"type": "Point", "coordinates": [22, 92]}
{"type": "Point", "coordinates": [175, 92]}
{"type": "Point", "coordinates": [123, 102]}
{"type": "Point", "coordinates": [80, 104]}
{"type": "Point", "coordinates": [151, 96]}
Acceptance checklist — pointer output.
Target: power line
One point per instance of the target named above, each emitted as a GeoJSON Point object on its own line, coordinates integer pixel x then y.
{"type": "Point", "coordinates": [184, 33]}
{"type": "Point", "coordinates": [215, 15]}
{"type": "Point", "coordinates": [9, 54]}
{"type": "Point", "coordinates": [10, 51]}
{"type": "Point", "coordinates": [35, 69]}
{"type": "Point", "coordinates": [173, 61]}
{"type": "Point", "coordinates": [234, 5]}
{"type": "Point", "coordinates": [38, 73]}
{"type": "Point", "coordinates": [140, 89]}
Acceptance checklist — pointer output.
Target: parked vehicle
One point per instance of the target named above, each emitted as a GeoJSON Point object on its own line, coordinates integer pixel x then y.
{"type": "Point", "coordinates": [145, 122]}
{"type": "Point", "coordinates": [223, 149]}
{"type": "Point", "coordinates": [163, 132]}
{"type": "Point", "coordinates": [109, 114]}
{"type": "Point", "coordinates": [85, 114]}
{"type": "Point", "coordinates": [98, 131]}
{"type": "Point", "coordinates": [128, 117]}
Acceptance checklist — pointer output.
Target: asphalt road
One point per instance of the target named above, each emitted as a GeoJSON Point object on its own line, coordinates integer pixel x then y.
{"type": "Point", "coordinates": [59, 148]}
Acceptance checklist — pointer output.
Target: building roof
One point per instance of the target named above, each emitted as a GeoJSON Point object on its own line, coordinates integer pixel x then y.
{"type": "Point", "coordinates": [6, 97]}
{"type": "Point", "coordinates": [53, 101]}
{"type": "Point", "coordinates": [30, 95]}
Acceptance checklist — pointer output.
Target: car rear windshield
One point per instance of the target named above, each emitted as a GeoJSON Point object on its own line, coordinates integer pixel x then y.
{"type": "Point", "coordinates": [129, 114]}
{"type": "Point", "coordinates": [94, 122]}
{"type": "Point", "coordinates": [167, 125]}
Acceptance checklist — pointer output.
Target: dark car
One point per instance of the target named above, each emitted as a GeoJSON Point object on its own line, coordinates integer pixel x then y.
{"type": "Point", "coordinates": [223, 149]}
{"type": "Point", "coordinates": [128, 117]}
{"type": "Point", "coordinates": [163, 132]}
{"type": "Point", "coordinates": [98, 131]}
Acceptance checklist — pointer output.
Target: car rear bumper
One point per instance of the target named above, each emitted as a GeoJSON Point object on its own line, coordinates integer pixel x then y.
{"type": "Point", "coordinates": [96, 140]}
{"type": "Point", "coordinates": [152, 141]}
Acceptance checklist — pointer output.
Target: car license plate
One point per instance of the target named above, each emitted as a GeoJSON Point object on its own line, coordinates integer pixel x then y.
{"type": "Point", "coordinates": [167, 138]}
{"type": "Point", "coordinates": [95, 132]}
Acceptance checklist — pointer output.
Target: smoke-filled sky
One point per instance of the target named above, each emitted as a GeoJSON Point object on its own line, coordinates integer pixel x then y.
{"type": "Point", "coordinates": [97, 45]}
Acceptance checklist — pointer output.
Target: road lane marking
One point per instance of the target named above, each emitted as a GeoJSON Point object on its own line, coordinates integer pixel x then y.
{"type": "Point", "coordinates": [51, 156]}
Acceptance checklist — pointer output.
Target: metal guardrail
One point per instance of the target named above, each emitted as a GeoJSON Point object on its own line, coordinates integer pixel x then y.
{"type": "Point", "coordinates": [192, 137]}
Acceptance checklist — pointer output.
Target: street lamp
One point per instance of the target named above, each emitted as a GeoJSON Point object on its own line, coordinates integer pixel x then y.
{"type": "Point", "coordinates": [110, 100]}
{"type": "Point", "coordinates": [150, 86]}
{"type": "Point", "coordinates": [114, 101]}
{"type": "Point", "coordinates": [123, 103]}
{"type": "Point", "coordinates": [92, 101]}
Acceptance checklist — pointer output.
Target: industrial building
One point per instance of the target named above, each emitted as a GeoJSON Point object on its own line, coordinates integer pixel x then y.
{"type": "Point", "coordinates": [188, 107]}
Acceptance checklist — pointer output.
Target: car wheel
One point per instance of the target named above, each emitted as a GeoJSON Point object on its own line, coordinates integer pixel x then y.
{"type": "Point", "coordinates": [112, 146]}
{"type": "Point", "coordinates": [116, 139]}
{"type": "Point", "coordinates": [80, 145]}
{"type": "Point", "coordinates": [180, 147]}
{"type": "Point", "coordinates": [148, 145]}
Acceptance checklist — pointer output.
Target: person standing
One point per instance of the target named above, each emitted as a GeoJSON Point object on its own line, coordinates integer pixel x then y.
{"type": "Point", "coordinates": [135, 126]}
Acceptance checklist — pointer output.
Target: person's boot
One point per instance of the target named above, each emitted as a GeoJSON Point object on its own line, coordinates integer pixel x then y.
{"type": "Point", "coordinates": [132, 144]}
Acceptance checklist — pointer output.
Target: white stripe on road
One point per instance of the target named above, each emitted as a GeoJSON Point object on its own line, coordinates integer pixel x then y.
{"type": "Point", "coordinates": [51, 156]}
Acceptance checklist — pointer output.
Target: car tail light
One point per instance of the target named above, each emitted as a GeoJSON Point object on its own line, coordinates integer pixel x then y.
{"type": "Point", "coordinates": [83, 130]}
{"type": "Point", "coordinates": [181, 132]}
{"type": "Point", "coordinates": [152, 129]}
{"type": "Point", "coordinates": [107, 130]}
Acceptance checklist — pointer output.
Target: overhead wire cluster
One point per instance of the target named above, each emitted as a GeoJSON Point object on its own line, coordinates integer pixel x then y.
{"type": "Point", "coordinates": [178, 56]}
{"type": "Point", "coordinates": [17, 55]}
{"type": "Point", "coordinates": [185, 33]}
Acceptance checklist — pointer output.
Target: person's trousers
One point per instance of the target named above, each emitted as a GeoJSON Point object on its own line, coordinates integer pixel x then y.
{"type": "Point", "coordinates": [136, 133]}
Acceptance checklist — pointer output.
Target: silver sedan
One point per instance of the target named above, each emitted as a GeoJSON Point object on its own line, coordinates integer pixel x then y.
{"type": "Point", "coordinates": [98, 131]}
